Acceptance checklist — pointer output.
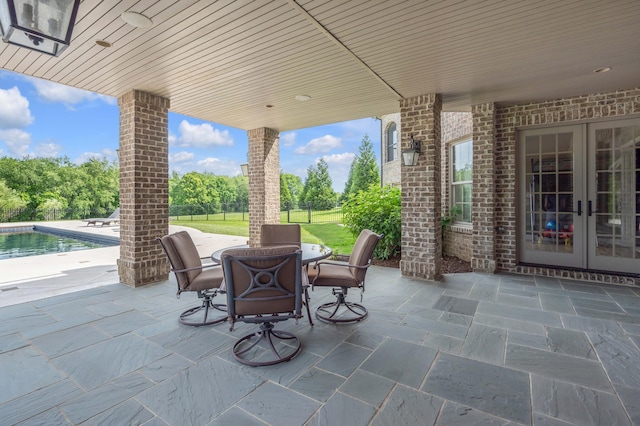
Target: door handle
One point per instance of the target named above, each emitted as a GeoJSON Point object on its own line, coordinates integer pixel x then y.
{"type": "Point", "coordinates": [579, 208]}
{"type": "Point", "coordinates": [589, 208]}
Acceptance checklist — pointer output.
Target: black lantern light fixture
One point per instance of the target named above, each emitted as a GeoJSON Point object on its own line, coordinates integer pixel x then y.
{"type": "Point", "coordinates": [410, 156]}
{"type": "Point", "coordinates": [41, 25]}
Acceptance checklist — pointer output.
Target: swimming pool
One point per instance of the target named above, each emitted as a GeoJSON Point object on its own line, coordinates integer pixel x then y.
{"type": "Point", "coordinates": [29, 242]}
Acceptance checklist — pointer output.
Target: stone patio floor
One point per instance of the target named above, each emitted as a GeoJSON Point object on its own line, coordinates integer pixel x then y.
{"type": "Point", "coordinates": [472, 349]}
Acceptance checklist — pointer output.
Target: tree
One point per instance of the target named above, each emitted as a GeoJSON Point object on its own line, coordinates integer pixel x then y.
{"type": "Point", "coordinates": [9, 201]}
{"type": "Point", "coordinates": [294, 186]}
{"type": "Point", "coordinates": [318, 188]}
{"type": "Point", "coordinates": [285, 194]}
{"type": "Point", "coordinates": [364, 170]}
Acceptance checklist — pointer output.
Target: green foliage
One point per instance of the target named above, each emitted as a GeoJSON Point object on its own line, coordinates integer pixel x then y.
{"type": "Point", "coordinates": [449, 217]}
{"type": "Point", "coordinates": [318, 188]}
{"type": "Point", "coordinates": [285, 194]}
{"type": "Point", "coordinates": [91, 186]}
{"type": "Point", "coordinates": [9, 200]}
{"type": "Point", "coordinates": [377, 209]}
{"type": "Point", "coordinates": [364, 170]}
{"type": "Point", "coordinates": [294, 186]}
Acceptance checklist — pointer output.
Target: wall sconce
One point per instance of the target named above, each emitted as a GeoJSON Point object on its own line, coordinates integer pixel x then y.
{"type": "Point", "coordinates": [245, 169]}
{"type": "Point", "coordinates": [410, 156]}
{"type": "Point", "coordinates": [41, 25]}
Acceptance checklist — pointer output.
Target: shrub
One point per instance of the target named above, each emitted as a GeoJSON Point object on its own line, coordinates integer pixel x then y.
{"type": "Point", "coordinates": [377, 209]}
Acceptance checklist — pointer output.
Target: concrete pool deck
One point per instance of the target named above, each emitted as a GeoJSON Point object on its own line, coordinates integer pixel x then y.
{"type": "Point", "coordinates": [24, 279]}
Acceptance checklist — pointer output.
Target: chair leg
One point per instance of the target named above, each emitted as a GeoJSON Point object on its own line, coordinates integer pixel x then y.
{"type": "Point", "coordinates": [264, 339]}
{"type": "Point", "coordinates": [191, 317]}
{"type": "Point", "coordinates": [332, 313]}
{"type": "Point", "coordinates": [306, 302]}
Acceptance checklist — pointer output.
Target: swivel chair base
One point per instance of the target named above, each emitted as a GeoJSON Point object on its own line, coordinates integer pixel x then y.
{"type": "Point", "coordinates": [331, 312]}
{"type": "Point", "coordinates": [265, 338]}
{"type": "Point", "coordinates": [191, 317]}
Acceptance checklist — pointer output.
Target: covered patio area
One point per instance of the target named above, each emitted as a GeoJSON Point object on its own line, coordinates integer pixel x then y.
{"type": "Point", "coordinates": [471, 349]}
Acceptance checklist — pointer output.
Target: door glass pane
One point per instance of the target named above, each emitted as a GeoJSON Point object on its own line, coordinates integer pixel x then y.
{"type": "Point", "coordinates": [550, 183]}
{"type": "Point", "coordinates": [617, 206]}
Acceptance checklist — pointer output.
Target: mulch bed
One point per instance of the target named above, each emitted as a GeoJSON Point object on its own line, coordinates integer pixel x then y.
{"type": "Point", "coordinates": [450, 264]}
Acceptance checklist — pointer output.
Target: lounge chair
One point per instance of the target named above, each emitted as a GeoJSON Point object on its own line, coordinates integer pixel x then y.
{"type": "Point", "coordinates": [114, 218]}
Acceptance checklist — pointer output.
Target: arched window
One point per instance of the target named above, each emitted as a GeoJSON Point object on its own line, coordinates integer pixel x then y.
{"type": "Point", "coordinates": [392, 142]}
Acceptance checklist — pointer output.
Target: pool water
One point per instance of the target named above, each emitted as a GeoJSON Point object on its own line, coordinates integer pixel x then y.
{"type": "Point", "coordinates": [23, 244]}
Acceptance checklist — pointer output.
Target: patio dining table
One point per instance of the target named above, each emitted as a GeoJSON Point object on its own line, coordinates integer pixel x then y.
{"type": "Point", "coordinates": [310, 252]}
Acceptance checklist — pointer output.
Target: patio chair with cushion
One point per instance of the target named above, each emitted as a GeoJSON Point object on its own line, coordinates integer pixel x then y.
{"type": "Point", "coordinates": [192, 275]}
{"type": "Point", "coordinates": [342, 276]}
{"type": "Point", "coordinates": [264, 286]}
{"type": "Point", "coordinates": [280, 234]}
{"type": "Point", "coordinates": [277, 234]}
{"type": "Point", "coordinates": [113, 218]}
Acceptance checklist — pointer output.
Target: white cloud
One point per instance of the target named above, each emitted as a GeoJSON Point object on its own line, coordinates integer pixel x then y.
{"type": "Point", "coordinates": [14, 109]}
{"type": "Point", "coordinates": [320, 145]}
{"type": "Point", "coordinates": [173, 139]}
{"type": "Point", "coordinates": [54, 92]}
{"type": "Point", "coordinates": [181, 157]}
{"type": "Point", "coordinates": [288, 138]}
{"type": "Point", "coordinates": [202, 136]}
{"type": "Point", "coordinates": [47, 150]}
{"type": "Point", "coordinates": [17, 141]}
{"type": "Point", "coordinates": [340, 159]}
{"type": "Point", "coordinates": [107, 153]}
{"type": "Point", "coordinates": [207, 165]}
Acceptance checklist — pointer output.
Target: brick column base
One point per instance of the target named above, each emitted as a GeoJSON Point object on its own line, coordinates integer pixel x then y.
{"type": "Point", "coordinates": [483, 258]}
{"type": "Point", "coordinates": [144, 187]}
{"type": "Point", "coordinates": [421, 189]}
{"type": "Point", "coordinates": [264, 180]}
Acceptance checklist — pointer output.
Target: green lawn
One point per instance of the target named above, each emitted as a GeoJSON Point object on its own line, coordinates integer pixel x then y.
{"type": "Point", "coordinates": [330, 234]}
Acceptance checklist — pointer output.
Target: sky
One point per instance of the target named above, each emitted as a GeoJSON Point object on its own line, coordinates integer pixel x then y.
{"type": "Point", "coordinates": [39, 118]}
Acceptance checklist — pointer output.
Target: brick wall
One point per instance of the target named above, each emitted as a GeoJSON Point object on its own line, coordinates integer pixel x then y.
{"type": "Point", "coordinates": [144, 187]}
{"type": "Point", "coordinates": [457, 242]}
{"type": "Point", "coordinates": [264, 180]}
{"type": "Point", "coordinates": [560, 111]}
{"type": "Point", "coordinates": [421, 189]}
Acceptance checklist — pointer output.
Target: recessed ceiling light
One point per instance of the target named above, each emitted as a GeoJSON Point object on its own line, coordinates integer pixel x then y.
{"type": "Point", "coordinates": [601, 70]}
{"type": "Point", "coordinates": [303, 98]}
{"type": "Point", "coordinates": [136, 19]}
{"type": "Point", "coordinates": [103, 43]}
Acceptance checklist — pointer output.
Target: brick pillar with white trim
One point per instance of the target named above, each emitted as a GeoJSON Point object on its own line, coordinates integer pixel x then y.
{"type": "Point", "coordinates": [483, 212]}
{"type": "Point", "coordinates": [144, 187]}
{"type": "Point", "coordinates": [421, 189]}
{"type": "Point", "coordinates": [264, 180]}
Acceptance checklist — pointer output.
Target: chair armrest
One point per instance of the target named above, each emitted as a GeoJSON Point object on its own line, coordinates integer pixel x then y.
{"type": "Point", "coordinates": [195, 268]}
{"type": "Point", "coordinates": [318, 264]}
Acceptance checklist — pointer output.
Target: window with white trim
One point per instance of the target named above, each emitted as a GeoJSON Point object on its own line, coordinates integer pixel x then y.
{"type": "Point", "coordinates": [462, 179]}
{"type": "Point", "coordinates": [392, 142]}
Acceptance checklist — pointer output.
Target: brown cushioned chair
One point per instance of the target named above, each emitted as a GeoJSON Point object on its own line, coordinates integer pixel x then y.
{"type": "Point", "coordinates": [277, 234]}
{"type": "Point", "coordinates": [272, 234]}
{"type": "Point", "coordinates": [342, 276]}
{"type": "Point", "coordinates": [264, 287]}
{"type": "Point", "coordinates": [192, 275]}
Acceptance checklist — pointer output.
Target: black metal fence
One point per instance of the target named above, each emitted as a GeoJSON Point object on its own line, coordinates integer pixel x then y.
{"type": "Point", "coordinates": [200, 212]}
{"type": "Point", "coordinates": [240, 212]}
{"type": "Point", "coordinates": [33, 215]}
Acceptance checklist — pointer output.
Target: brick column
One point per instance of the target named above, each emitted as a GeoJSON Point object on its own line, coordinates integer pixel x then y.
{"type": "Point", "coordinates": [421, 189]}
{"type": "Point", "coordinates": [483, 214]}
{"type": "Point", "coordinates": [144, 187]}
{"type": "Point", "coordinates": [264, 180]}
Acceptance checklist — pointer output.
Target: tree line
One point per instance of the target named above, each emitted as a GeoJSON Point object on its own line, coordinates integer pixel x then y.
{"type": "Point", "coordinates": [92, 188]}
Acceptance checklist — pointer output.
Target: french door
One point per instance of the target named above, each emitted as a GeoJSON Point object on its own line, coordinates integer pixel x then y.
{"type": "Point", "coordinates": [580, 196]}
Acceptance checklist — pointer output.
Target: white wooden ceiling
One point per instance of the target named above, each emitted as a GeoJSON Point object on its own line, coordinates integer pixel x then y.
{"type": "Point", "coordinates": [224, 61]}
